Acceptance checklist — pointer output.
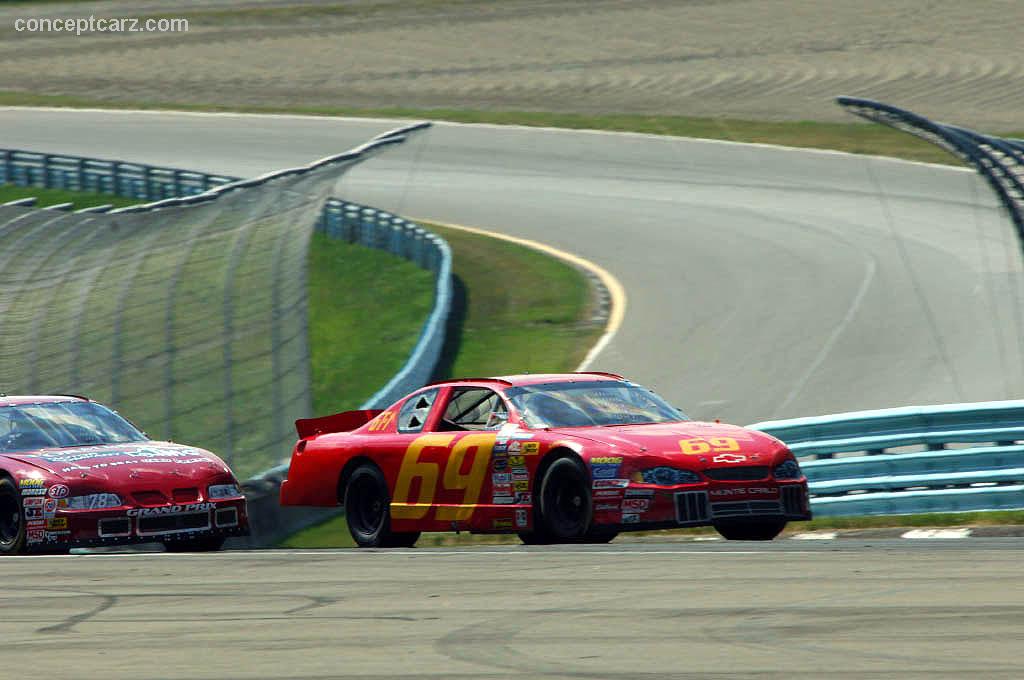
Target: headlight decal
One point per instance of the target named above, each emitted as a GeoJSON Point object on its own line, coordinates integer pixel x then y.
{"type": "Point", "coordinates": [666, 476]}
{"type": "Point", "coordinates": [218, 491]}
{"type": "Point", "coordinates": [93, 501]}
{"type": "Point", "coordinates": [787, 469]}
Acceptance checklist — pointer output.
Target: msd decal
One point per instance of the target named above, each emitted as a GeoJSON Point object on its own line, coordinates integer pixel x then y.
{"type": "Point", "coordinates": [636, 504]}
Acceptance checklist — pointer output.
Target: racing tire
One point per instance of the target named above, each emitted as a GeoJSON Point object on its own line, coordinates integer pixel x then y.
{"type": "Point", "coordinates": [12, 519]}
{"type": "Point", "coordinates": [368, 511]}
{"type": "Point", "coordinates": [763, 530]}
{"type": "Point", "coordinates": [600, 535]}
{"type": "Point", "coordinates": [565, 503]}
{"type": "Point", "coordinates": [205, 544]}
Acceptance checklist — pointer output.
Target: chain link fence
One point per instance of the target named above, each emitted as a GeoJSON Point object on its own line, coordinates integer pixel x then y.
{"type": "Point", "coordinates": [189, 314]}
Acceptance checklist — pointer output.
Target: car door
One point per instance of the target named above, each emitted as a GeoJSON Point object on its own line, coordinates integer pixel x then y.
{"type": "Point", "coordinates": [444, 472]}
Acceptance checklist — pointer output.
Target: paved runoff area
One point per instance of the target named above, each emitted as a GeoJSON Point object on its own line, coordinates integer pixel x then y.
{"type": "Point", "coordinates": [631, 609]}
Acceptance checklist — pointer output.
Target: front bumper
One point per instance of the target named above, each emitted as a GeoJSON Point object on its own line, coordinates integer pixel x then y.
{"type": "Point", "coordinates": [136, 524]}
{"type": "Point", "coordinates": [644, 506]}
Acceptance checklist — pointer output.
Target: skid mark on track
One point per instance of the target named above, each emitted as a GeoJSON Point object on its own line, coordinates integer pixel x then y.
{"type": "Point", "coordinates": [68, 624]}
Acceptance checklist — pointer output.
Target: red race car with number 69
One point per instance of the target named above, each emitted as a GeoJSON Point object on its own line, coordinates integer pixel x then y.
{"type": "Point", "coordinates": [560, 458]}
{"type": "Point", "coordinates": [75, 474]}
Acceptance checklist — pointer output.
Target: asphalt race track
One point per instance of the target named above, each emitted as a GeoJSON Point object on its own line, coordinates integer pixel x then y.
{"type": "Point", "coordinates": [788, 609]}
{"type": "Point", "coordinates": [762, 282]}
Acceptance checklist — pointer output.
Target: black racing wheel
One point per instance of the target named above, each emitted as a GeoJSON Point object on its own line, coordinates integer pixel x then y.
{"type": "Point", "coordinates": [751, 530]}
{"type": "Point", "coordinates": [565, 503]}
{"type": "Point", "coordinates": [368, 511]}
{"type": "Point", "coordinates": [12, 519]}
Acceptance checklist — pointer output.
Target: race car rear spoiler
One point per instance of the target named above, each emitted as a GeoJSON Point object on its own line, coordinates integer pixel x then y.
{"type": "Point", "coordinates": [339, 422]}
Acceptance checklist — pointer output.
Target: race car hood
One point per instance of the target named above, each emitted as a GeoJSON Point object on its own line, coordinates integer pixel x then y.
{"type": "Point", "coordinates": [132, 463]}
{"type": "Point", "coordinates": [664, 439]}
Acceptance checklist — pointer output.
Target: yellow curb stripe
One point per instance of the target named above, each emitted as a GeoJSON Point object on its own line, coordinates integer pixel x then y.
{"type": "Point", "coordinates": [616, 291]}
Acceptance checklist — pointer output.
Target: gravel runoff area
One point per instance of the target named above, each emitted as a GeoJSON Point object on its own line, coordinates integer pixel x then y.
{"type": "Point", "coordinates": [756, 59]}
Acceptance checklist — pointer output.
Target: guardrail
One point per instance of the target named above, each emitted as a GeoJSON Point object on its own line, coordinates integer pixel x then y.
{"type": "Point", "coordinates": [948, 458]}
{"type": "Point", "coordinates": [999, 161]}
{"type": "Point", "coordinates": [339, 219]}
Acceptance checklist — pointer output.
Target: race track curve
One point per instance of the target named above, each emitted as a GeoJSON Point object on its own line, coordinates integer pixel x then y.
{"type": "Point", "coordinates": [763, 282]}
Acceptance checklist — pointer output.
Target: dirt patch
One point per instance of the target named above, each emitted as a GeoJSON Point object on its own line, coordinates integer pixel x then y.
{"type": "Point", "coordinates": [758, 59]}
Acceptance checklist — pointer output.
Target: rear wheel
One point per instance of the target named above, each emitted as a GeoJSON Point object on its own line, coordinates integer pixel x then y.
{"type": "Point", "coordinates": [368, 511]}
{"type": "Point", "coordinates": [565, 505]}
{"type": "Point", "coordinates": [12, 519]}
{"type": "Point", "coordinates": [205, 544]}
{"type": "Point", "coordinates": [755, 530]}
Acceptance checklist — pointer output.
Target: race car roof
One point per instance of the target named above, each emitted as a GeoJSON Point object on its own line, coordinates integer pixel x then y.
{"type": "Point", "coordinates": [15, 400]}
{"type": "Point", "coordinates": [536, 378]}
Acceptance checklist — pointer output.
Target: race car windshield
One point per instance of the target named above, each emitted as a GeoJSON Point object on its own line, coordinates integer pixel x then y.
{"type": "Point", "coordinates": [591, 403]}
{"type": "Point", "coordinates": [59, 424]}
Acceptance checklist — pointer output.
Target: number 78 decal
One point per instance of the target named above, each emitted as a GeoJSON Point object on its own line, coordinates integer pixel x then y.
{"type": "Point", "coordinates": [470, 483]}
{"type": "Point", "coordinates": [695, 447]}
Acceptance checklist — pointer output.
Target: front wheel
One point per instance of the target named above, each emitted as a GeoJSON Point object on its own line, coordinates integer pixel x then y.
{"type": "Point", "coordinates": [565, 504]}
{"type": "Point", "coordinates": [205, 544]}
{"type": "Point", "coordinates": [12, 525]}
{"type": "Point", "coordinates": [368, 511]}
{"type": "Point", "coordinates": [751, 530]}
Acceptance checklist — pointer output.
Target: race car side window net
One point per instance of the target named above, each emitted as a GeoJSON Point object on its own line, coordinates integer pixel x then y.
{"type": "Point", "coordinates": [415, 410]}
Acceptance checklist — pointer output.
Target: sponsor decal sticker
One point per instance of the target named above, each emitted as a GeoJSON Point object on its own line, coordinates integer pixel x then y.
{"type": "Point", "coordinates": [516, 460]}
{"type": "Point", "coordinates": [630, 518]}
{"type": "Point", "coordinates": [35, 536]}
{"type": "Point", "coordinates": [33, 502]}
{"type": "Point", "coordinates": [33, 513]}
{"type": "Point", "coordinates": [611, 483]}
{"type": "Point", "coordinates": [501, 478]}
{"type": "Point", "coordinates": [500, 446]}
{"type": "Point", "coordinates": [521, 486]}
{"type": "Point", "coordinates": [522, 518]}
{"type": "Point", "coordinates": [515, 447]}
{"type": "Point", "coordinates": [31, 482]}
{"type": "Point", "coordinates": [57, 523]}
{"type": "Point", "coordinates": [636, 504]}
{"type": "Point", "coordinates": [524, 497]}
{"type": "Point", "coordinates": [50, 506]}
{"type": "Point", "coordinates": [59, 491]}
{"type": "Point", "coordinates": [640, 492]}
{"type": "Point", "coordinates": [500, 464]}
{"type": "Point", "coordinates": [608, 493]}
{"type": "Point", "coordinates": [32, 491]}
{"type": "Point", "coordinates": [502, 523]}
{"type": "Point", "coordinates": [503, 500]}
{"type": "Point", "coordinates": [520, 476]}
{"type": "Point", "coordinates": [531, 448]}
{"type": "Point", "coordinates": [604, 471]}
{"type": "Point", "coordinates": [606, 506]}
{"type": "Point", "coordinates": [728, 458]}
{"type": "Point", "coordinates": [610, 460]}
{"type": "Point", "coordinates": [503, 489]}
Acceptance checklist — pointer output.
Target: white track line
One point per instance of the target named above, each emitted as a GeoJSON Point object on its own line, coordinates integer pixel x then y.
{"type": "Point", "coordinates": [936, 533]}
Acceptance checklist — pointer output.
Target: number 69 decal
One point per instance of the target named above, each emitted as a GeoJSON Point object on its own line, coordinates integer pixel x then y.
{"type": "Point", "coordinates": [695, 447]}
{"type": "Point", "coordinates": [469, 483]}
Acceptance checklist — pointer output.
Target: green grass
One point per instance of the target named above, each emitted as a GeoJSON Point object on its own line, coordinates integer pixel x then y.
{"type": "Point", "coordinates": [48, 197]}
{"type": "Point", "coordinates": [516, 310]}
{"type": "Point", "coordinates": [366, 309]}
{"type": "Point", "coordinates": [853, 137]}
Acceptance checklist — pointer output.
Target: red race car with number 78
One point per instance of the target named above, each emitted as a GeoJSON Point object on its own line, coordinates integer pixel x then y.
{"type": "Point", "coordinates": [556, 458]}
